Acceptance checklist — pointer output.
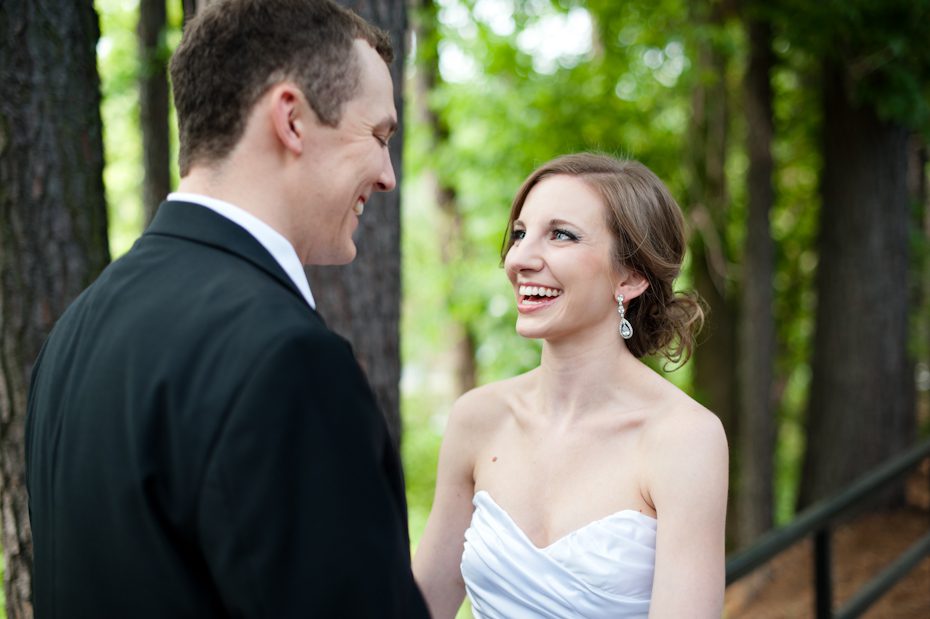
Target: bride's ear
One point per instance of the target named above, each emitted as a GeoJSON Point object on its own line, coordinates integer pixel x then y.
{"type": "Point", "coordinates": [630, 284]}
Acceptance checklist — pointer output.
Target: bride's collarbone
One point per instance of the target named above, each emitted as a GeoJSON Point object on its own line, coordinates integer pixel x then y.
{"type": "Point", "coordinates": [562, 428]}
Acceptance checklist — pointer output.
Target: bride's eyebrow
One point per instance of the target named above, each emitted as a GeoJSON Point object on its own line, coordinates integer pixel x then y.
{"type": "Point", "coordinates": [555, 223]}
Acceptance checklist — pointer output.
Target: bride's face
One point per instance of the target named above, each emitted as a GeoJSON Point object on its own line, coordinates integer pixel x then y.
{"type": "Point", "coordinates": [559, 263]}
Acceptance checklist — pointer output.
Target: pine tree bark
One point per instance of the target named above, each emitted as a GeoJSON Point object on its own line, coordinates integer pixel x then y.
{"type": "Point", "coordinates": [153, 105]}
{"type": "Point", "coordinates": [757, 321]}
{"type": "Point", "coordinates": [361, 301]}
{"type": "Point", "coordinates": [53, 235]}
{"type": "Point", "coordinates": [861, 408]}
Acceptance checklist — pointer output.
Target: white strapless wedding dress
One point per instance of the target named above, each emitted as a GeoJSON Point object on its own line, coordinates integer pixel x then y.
{"type": "Point", "coordinates": [601, 570]}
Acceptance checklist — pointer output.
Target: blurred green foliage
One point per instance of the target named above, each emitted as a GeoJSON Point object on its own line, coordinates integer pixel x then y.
{"type": "Point", "coordinates": [118, 65]}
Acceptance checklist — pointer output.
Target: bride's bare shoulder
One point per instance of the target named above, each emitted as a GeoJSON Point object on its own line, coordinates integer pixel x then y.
{"type": "Point", "coordinates": [686, 435]}
{"type": "Point", "coordinates": [679, 417]}
{"type": "Point", "coordinates": [485, 407]}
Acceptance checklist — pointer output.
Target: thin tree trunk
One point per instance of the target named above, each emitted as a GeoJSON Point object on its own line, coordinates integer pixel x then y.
{"type": "Point", "coordinates": [757, 325]}
{"type": "Point", "coordinates": [153, 105]}
{"type": "Point", "coordinates": [53, 235]}
{"type": "Point", "coordinates": [708, 198]}
{"type": "Point", "coordinates": [920, 199]}
{"type": "Point", "coordinates": [715, 358]}
{"type": "Point", "coordinates": [861, 408]}
{"type": "Point", "coordinates": [362, 300]}
{"type": "Point", "coordinates": [453, 248]}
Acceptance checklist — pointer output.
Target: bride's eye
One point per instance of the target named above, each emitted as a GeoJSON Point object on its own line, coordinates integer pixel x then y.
{"type": "Point", "coordinates": [563, 235]}
{"type": "Point", "coordinates": [516, 235]}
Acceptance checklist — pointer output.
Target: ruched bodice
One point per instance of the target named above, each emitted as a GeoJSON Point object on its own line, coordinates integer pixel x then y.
{"type": "Point", "coordinates": [603, 569]}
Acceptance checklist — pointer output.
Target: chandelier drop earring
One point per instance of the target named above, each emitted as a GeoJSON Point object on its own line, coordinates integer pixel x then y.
{"type": "Point", "coordinates": [626, 329]}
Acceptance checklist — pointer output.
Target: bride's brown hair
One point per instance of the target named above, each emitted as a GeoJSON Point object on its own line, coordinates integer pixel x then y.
{"type": "Point", "coordinates": [649, 238]}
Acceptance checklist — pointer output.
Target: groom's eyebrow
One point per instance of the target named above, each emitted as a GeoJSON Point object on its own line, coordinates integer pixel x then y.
{"type": "Point", "coordinates": [388, 125]}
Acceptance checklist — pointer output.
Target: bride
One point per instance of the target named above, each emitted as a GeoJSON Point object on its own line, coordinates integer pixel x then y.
{"type": "Point", "coordinates": [590, 486]}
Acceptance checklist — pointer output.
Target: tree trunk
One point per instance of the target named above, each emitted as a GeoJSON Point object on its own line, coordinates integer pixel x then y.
{"type": "Point", "coordinates": [153, 105]}
{"type": "Point", "coordinates": [53, 236]}
{"type": "Point", "coordinates": [361, 300]}
{"type": "Point", "coordinates": [861, 405]}
{"type": "Point", "coordinates": [453, 247]}
{"type": "Point", "coordinates": [715, 358]}
{"type": "Point", "coordinates": [708, 202]}
{"type": "Point", "coordinates": [920, 199]}
{"type": "Point", "coordinates": [757, 324]}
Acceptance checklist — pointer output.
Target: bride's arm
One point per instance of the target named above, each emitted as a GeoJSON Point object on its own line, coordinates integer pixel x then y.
{"type": "Point", "coordinates": [439, 554]}
{"type": "Point", "coordinates": [688, 487]}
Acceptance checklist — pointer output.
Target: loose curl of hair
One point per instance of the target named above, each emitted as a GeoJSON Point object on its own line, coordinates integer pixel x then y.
{"type": "Point", "coordinates": [649, 238]}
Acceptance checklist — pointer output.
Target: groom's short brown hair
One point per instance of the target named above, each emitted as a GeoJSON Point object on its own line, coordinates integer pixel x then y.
{"type": "Point", "coordinates": [233, 51]}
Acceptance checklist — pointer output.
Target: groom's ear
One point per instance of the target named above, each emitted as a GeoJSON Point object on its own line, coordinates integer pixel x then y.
{"type": "Point", "coordinates": [289, 109]}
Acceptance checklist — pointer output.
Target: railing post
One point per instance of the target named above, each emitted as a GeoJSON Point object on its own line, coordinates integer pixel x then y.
{"type": "Point", "coordinates": [823, 581]}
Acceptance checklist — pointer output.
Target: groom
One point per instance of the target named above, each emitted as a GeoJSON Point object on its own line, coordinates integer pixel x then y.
{"type": "Point", "coordinates": [198, 443]}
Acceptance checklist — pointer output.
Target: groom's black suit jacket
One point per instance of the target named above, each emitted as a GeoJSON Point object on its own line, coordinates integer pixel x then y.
{"type": "Point", "coordinates": [199, 444]}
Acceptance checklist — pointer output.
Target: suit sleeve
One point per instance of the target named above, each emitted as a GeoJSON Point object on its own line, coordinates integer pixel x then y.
{"type": "Point", "coordinates": [298, 517]}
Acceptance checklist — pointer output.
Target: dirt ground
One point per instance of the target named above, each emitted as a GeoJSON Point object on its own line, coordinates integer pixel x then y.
{"type": "Point", "coordinates": [862, 547]}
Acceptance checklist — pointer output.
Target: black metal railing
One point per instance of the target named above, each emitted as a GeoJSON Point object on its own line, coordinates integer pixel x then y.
{"type": "Point", "coordinates": [815, 521]}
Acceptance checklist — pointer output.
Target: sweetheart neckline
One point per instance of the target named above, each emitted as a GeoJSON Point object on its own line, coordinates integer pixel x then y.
{"type": "Point", "coordinates": [573, 532]}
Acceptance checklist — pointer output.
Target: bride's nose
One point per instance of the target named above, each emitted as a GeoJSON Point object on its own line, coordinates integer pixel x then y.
{"type": "Point", "coordinates": [523, 255]}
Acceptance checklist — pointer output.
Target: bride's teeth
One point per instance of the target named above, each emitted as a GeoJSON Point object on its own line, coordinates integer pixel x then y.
{"type": "Point", "coordinates": [359, 208]}
{"type": "Point", "coordinates": [538, 291]}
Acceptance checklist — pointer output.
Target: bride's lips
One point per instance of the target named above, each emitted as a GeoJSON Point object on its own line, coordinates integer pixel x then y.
{"type": "Point", "coordinates": [528, 307]}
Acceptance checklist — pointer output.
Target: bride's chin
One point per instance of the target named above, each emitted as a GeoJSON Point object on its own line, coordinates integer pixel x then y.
{"type": "Point", "coordinates": [530, 333]}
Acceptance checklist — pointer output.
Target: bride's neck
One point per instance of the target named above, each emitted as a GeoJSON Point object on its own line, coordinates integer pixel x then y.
{"type": "Point", "coordinates": [577, 376]}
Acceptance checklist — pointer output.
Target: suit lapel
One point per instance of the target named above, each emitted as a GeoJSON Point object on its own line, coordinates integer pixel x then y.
{"type": "Point", "coordinates": [201, 225]}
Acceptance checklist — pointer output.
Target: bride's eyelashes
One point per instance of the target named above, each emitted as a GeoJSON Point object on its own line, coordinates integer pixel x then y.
{"type": "Point", "coordinates": [557, 234]}
{"type": "Point", "coordinates": [560, 234]}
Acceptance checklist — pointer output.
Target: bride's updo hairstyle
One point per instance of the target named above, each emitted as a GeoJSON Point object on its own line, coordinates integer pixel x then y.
{"type": "Point", "coordinates": [649, 238]}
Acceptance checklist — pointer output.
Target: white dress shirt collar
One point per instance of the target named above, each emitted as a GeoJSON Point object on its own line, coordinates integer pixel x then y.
{"type": "Point", "coordinates": [272, 240]}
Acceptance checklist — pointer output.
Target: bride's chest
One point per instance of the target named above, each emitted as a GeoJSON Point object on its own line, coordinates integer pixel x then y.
{"type": "Point", "coordinates": [555, 488]}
